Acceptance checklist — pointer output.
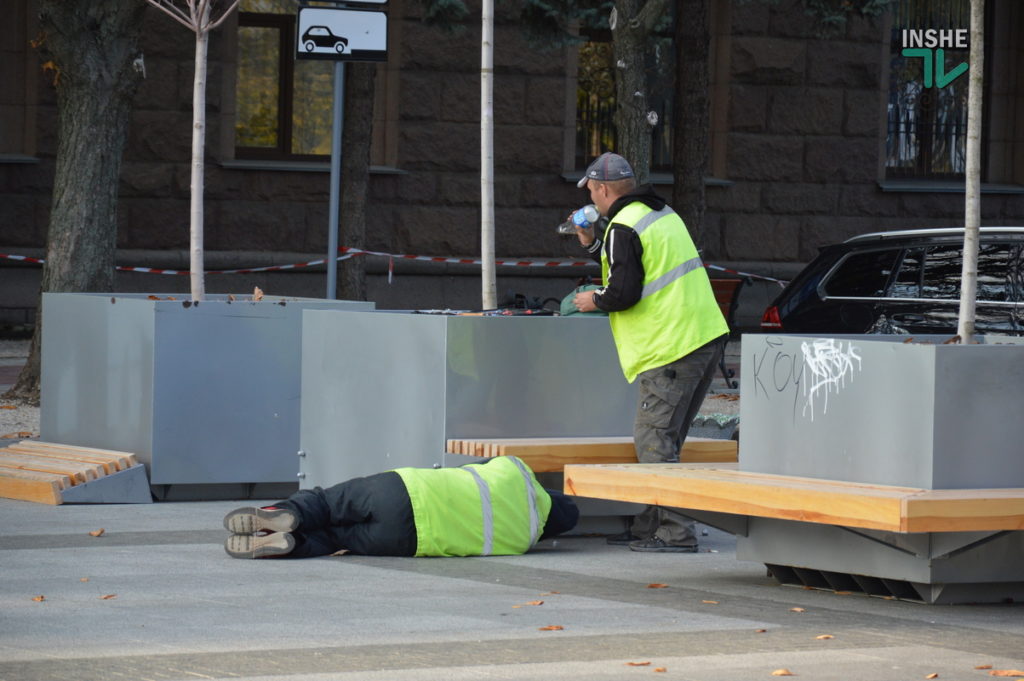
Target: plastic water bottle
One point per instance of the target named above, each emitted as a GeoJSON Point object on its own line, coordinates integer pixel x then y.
{"type": "Point", "coordinates": [584, 218]}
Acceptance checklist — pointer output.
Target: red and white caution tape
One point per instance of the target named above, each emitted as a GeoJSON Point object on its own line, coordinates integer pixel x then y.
{"type": "Point", "coordinates": [347, 252]}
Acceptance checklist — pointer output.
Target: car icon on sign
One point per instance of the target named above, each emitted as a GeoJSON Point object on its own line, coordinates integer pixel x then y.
{"type": "Point", "coordinates": [321, 36]}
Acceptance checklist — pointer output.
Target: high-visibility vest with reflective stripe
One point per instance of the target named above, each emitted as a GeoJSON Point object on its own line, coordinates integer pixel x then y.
{"type": "Point", "coordinates": [497, 508]}
{"type": "Point", "coordinates": [677, 312]}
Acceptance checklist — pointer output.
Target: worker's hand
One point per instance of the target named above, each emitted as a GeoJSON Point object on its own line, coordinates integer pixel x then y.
{"type": "Point", "coordinates": [584, 301]}
{"type": "Point", "coordinates": [585, 235]}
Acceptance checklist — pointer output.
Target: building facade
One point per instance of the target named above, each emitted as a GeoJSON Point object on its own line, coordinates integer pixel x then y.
{"type": "Point", "coordinates": [813, 140]}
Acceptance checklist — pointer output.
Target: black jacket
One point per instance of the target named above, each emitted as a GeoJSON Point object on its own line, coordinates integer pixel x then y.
{"type": "Point", "coordinates": [625, 254]}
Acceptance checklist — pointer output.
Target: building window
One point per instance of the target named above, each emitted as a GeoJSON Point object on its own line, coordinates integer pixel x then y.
{"type": "Point", "coordinates": [283, 105]}
{"type": "Point", "coordinates": [927, 126]}
{"type": "Point", "coordinates": [596, 101]}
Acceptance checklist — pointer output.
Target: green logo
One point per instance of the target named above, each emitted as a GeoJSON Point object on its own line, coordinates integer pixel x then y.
{"type": "Point", "coordinates": [935, 66]}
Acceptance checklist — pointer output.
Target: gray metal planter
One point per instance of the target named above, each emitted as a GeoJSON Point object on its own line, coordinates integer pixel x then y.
{"type": "Point", "coordinates": [884, 411]}
{"type": "Point", "coordinates": [202, 394]}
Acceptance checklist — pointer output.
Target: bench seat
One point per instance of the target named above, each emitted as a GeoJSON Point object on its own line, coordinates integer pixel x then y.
{"type": "Point", "coordinates": [724, 489]}
{"type": "Point", "coordinates": [551, 454]}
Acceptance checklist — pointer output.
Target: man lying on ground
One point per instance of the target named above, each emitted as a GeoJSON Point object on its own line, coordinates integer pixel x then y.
{"type": "Point", "coordinates": [491, 508]}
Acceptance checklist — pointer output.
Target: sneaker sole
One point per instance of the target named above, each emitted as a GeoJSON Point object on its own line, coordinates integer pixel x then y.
{"type": "Point", "coordinates": [251, 520]}
{"type": "Point", "coordinates": [259, 546]}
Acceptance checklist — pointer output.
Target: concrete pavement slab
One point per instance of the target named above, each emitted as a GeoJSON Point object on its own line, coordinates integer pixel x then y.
{"type": "Point", "coordinates": [183, 609]}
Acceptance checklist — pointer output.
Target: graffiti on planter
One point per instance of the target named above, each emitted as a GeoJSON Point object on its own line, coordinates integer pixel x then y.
{"type": "Point", "coordinates": [828, 365]}
{"type": "Point", "coordinates": [822, 367]}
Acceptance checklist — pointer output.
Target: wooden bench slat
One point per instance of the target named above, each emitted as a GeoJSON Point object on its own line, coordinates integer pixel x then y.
{"type": "Point", "coordinates": [40, 491]}
{"type": "Point", "coordinates": [550, 455]}
{"type": "Point", "coordinates": [62, 481]}
{"type": "Point", "coordinates": [78, 472]}
{"type": "Point", "coordinates": [123, 459]}
{"type": "Point", "coordinates": [109, 466]}
{"type": "Point", "coordinates": [830, 502]}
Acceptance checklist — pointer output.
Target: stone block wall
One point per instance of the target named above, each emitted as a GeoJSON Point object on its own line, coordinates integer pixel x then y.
{"type": "Point", "coordinates": [803, 148]}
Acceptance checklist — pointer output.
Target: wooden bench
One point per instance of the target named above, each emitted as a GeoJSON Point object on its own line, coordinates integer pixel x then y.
{"type": "Point", "coordinates": [31, 470]}
{"type": "Point", "coordinates": [551, 454]}
{"type": "Point", "coordinates": [723, 489]}
{"type": "Point", "coordinates": [727, 295]}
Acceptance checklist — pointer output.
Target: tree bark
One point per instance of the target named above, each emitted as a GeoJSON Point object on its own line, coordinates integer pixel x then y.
{"type": "Point", "coordinates": [972, 189]}
{"type": "Point", "coordinates": [691, 140]}
{"type": "Point", "coordinates": [360, 84]}
{"type": "Point", "coordinates": [631, 23]}
{"type": "Point", "coordinates": [197, 268]}
{"type": "Point", "coordinates": [94, 47]}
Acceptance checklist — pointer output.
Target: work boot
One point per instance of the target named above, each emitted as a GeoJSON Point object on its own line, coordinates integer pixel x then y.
{"type": "Point", "coordinates": [250, 520]}
{"type": "Point", "coordinates": [656, 544]}
{"type": "Point", "coordinates": [259, 545]}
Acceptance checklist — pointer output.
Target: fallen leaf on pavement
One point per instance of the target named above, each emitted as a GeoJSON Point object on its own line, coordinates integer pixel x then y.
{"type": "Point", "coordinates": [984, 666]}
{"type": "Point", "coordinates": [710, 602]}
{"type": "Point", "coordinates": [657, 586]}
{"type": "Point", "coordinates": [797, 610]}
{"type": "Point", "coordinates": [39, 599]}
{"type": "Point", "coordinates": [97, 533]}
{"type": "Point", "coordinates": [638, 664]}
{"type": "Point", "coordinates": [108, 597]}
{"type": "Point", "coordinates": [552, 627]}
{"type": "Point", "coordinates": [782, 672]}
{"type": "Point", "coordinates": [84, 579]}
{"type": "Point", "coordinates": [933, 675]}
{"type": "Point", "coordinates": [19, 434]}
{"type": "Point", "coordinates": [1006, 672]}
{"type": "Point", "coordinates": [549, 593]}
{"type": "Point", "coordinates": [661, 669]}
{"type": "Point", "coordinates": [760, 631]}
{"type": "Point", "coordinates": [7, 406]}
{"type": "Point", "coordinates": [824, 637]}
{"type": "Point", "coordinates": [534, 603]}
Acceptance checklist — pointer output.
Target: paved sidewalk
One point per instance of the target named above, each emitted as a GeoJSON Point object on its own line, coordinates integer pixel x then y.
{"type": "Point", "coordinates": [156, 597]}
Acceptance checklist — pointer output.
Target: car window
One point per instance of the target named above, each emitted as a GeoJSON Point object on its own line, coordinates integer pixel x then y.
{"type": "Point", "coordinates": [998, 272]}
{"type": "Point", "coordinates": [996, 262]}
{"type": "Point", "coordinates": [907, 283]}
{"type": "Point", "coordinates": [864, 274]}
{"type": "Point", "coordinates": [942, 270]}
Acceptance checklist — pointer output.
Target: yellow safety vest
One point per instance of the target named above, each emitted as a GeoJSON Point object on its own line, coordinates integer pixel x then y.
{"type": "Point", "coordinates": [497, 508]}
{"type": "Point", "coordinates": [677, 312]}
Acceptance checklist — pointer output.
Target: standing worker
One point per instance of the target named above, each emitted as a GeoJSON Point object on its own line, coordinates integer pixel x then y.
{"type": "Point", "coordinates": [668, 329]}
{"type": "Point", "coordinates": [491, 508]}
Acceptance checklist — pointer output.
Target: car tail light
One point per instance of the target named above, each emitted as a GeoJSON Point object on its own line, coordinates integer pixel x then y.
{"type": "Point", "coordinates": [770, 320]}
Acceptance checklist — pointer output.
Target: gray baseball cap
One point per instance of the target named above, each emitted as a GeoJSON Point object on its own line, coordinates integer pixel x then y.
{"type": "Point", "coordinates": [607, 167]}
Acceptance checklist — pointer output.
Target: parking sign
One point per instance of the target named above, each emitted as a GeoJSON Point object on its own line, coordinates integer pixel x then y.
{"type": "Point", "coordinates": [341, 34]}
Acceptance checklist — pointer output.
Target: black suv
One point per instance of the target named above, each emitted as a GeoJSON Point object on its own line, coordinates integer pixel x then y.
{"type": "Point", "coordinates": [904, 282]}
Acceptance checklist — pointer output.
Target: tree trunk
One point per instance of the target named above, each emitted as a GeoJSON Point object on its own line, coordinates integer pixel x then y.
{"type": "Point", "coordinates": [691, 139]}
{"type": "Point", "coordinates": [94, 46]}
{"type": "Point", "coordinates": [488, 276]}
{"type": "Point", "coordinates": [631, 23]}
{"type": "Point", "coordinates": [360, 81]}
{"type": "Point", "coordinates": [196, 259]}
{"type": "Point", "coordinates": [972, 189]}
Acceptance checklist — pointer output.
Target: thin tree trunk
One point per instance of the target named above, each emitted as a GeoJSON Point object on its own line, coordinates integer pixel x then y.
{"type": "Point", "coordinates": [360, 84]}
{"type": "Point", "coordinates": [94, 46]}
{"type": "Point", "coordinates": [196, 264]}
{"type": "Point", "coordinates": [972, 189]}
{"type": "Point", "coordinates": [691, 140]}
{"type": "Point", "coordinates": [488, 284]}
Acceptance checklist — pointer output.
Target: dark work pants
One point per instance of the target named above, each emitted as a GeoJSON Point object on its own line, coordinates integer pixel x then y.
{"type": "Point", "coordinates": [370, 516]}
{"type": "Point", "coordinates": [669, 399]}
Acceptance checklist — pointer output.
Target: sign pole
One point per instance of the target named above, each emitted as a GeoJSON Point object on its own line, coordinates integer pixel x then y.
{"type": "Point", "coordinates": [332, 220]}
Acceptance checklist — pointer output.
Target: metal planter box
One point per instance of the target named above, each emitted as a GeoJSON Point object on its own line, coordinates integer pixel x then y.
{"type": "Point", "coordinates": [879, 410]}
{"type": "Point", "coordinates": [384, 390]}
{"type": "Point", "coordinates": [206, 393]}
